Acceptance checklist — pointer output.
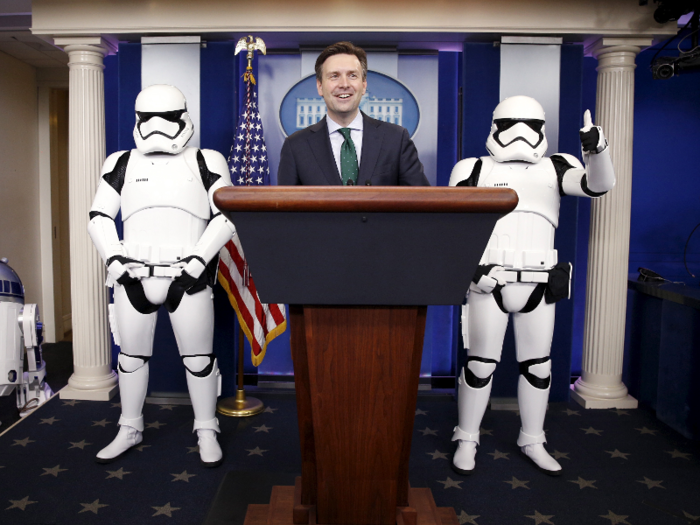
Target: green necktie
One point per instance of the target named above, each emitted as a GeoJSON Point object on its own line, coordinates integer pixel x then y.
{"type": "Point", "coordinates": [348, 159]}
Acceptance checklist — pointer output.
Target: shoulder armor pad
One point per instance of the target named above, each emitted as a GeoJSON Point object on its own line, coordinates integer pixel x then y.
{"type": "Point", "coordinates": [216, 164]}
{"type": "Point", "coordinates": [562, 163]}
{"type": "Point", "coordinates": [466, 172]}
{"type": "Point", "coordinates": [208, 178]}
{"type": "Point", "coordinates": [115, 177]}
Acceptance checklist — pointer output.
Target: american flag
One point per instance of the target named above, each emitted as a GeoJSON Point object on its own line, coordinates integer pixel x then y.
{"type": "Point", "coordinates": [248, 165]}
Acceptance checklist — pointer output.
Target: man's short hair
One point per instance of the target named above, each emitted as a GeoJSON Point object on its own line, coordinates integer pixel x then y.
{"type": "Point", "coordinates": [341, 48]}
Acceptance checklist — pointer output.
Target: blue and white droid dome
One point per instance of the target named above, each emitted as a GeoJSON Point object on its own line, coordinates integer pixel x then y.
{"type": "Point", "coordinates": [11, 289]}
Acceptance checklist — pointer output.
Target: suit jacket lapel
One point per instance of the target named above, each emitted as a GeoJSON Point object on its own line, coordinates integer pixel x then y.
{"type": "Point", "coordinates": [320, 145]}
{"type": "Point", "coordinates": [371, 146]}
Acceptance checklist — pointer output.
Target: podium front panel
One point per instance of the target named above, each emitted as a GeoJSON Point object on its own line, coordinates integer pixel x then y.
{"type": "Point", "coordinates": [358, 258]}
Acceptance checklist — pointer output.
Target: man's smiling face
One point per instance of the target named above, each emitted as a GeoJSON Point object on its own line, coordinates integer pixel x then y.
{"type": "Point", "coordinates": [342, 87]}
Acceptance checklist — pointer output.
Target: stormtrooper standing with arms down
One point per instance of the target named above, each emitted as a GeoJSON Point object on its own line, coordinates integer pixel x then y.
{"type": "Point", "coordinates": [172, 237]}
{"type": "Point", "coordinates": [519, 273]}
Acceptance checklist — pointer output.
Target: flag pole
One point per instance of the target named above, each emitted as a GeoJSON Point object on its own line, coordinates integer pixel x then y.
{"type": "Point", "coordinates": [242, 406]}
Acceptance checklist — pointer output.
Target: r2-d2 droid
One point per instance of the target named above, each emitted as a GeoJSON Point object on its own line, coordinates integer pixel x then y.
{"type": "Point", "coordinates": [20, 330]}
{"type": "Point", "coordinates": [519, 273]}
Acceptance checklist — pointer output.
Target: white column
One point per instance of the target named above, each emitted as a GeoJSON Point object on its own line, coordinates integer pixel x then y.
{"type": "Point", "coordinates": [600, 385]}
{"type": "Point", "coordinates": [93, 377]}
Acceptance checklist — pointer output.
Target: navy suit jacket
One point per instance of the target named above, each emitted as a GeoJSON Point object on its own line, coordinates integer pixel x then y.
{"type": "Point", "coordinates": [388, 158]}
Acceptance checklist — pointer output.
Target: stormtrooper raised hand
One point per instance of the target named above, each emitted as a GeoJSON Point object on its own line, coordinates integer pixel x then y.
{"type": "Point", "coordinates": [519, 273]}
{"type": "Point", "coordinates": [172, 236]}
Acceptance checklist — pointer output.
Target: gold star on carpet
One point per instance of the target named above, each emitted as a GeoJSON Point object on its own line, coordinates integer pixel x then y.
{"type": "Point", "coordinates": [485, 431]}
{"type": "Point", "coordinates": [92, 507]}
{"type": "Point", "coordinates": [560, 455]}
{"type": "Point", "coordinates": [49, 421]}
{"type": "Point", "coordinates": [515, 483]}
{"type": "Point", "coordinates": [621, 412]}
{"type": "Point", "coordinates": [499, 455]}
{"type": "Point", "coordinates": [466, 518]}
{"type": "Point", "coordinates": [426, 431]}
{"type": "Point", "coordinates": [420, 412]}
{"type": "Point", "coordinates": [102, 423]}
{"type": "Point", "coordinates": [20, 503]}
{"type": "Point", "coordinates": [270, 410]}
{"type": "Point", "coordinates": [449, 482]}
{"type": "Point", "coordinates": [116, 405]}
{"type": "Point", "coordinates": [540, 518]}
{"type": "Point", "coordinates": [193, 450]}
{"type": "Point", "coordinates": [54, 471]}
{"type": "Point", "coordinates": [23, 442]}
{"type": "Point", "coordinates": [645, 430]}
{"type": "Point", "coordinates": [155, 424]}
{"type": "Point", "coordinates": [617, 454]}
{"type": "Point", "coordinates": [690, 517]}
{"type": "Point", "coordinates": [165, 510]}
{"type": "Point", "coordinates": [262, 428]}
{"type": "Point", "coordinates": [584, 483]}
{"type": "Point", "coordinates": [141, 447]}
{"type": "Point", "coordinates": [591, 430]}
{"type": "Point", "coordinates": [255, 451]}
{"type": "Point", "coordinates": [117, 473]}
{"type": "Point", "coordinates": [675, 453]}
{"type": "Point", "coordinates": [570, 412]}
{"type": "Point", "coordinates": [437, 454]}
{"type": "Point", "coordinates": [650, 483]}
{"type": "Point", "coordinates": [615, 519]}
{"type": "Point", "coordinates": [183, 476]}
{"type": "Point", "coordinates": [80, 444]}
{"type": "Point", "coordinates": [167, 407]}
{"type": "Point", "coordinates": [72, 402]}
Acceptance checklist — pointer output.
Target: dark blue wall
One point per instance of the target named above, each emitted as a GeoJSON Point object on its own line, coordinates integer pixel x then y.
{"type": "Point", "coordinates": [666, 174]}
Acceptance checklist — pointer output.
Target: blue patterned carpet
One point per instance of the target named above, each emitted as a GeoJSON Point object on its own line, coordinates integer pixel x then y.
{"type": "Point", "coordinates": [620, 467]}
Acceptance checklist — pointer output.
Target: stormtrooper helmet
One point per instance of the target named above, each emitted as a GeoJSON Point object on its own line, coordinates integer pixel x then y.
{"type": "Point", "coordinates": [162, 122]}
{"type": "Point", "coordinates": [517, 131]}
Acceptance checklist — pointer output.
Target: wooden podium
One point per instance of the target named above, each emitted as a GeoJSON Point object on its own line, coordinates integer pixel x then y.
{"type": "Point", "coordinates": [358, 265]}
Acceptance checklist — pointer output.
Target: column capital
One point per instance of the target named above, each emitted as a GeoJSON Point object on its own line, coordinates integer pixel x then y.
{"type": "Point", "coordinates": [608, 44]}
{"type": "Point", "coordinates": [101, 44]}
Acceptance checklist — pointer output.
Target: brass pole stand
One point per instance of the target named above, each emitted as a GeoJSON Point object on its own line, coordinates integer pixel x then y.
{"type": "Point", "coordinates": [240, 406]}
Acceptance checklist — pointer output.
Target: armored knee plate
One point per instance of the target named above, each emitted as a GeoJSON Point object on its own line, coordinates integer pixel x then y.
{"type": "Point", "coordinates": [537, 372]}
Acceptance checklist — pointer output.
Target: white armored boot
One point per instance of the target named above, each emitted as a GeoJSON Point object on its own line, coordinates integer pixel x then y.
{"type": "Point", "coordinates": [204, 390]}
{"type": "Point", "coordinates": [532, 402]}
{"type": "Point", "coordinates": [472, 403]}
{"type": "Point", "coordinates": [132, 391]}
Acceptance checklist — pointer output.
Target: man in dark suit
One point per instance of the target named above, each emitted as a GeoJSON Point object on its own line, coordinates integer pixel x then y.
{"type": "Point", "coordinates": [347, 147]}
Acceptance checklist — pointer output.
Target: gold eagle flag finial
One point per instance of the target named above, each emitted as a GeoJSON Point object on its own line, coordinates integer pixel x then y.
{"type": "Point", "coordinates": [251, 45]}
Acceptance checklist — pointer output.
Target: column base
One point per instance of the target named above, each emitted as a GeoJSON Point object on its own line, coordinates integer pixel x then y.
{"type": "Point", "coordinates": [587, 401]}
{"type": "Point", "coordinates": [98, 394]}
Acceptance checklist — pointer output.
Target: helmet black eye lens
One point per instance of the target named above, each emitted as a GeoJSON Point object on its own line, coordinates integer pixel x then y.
{"type": "Point", "coordinates": [170, 116]}
{"type": "Point", "coordinates": [504, 124]}
{"type": "Point", "coordinates": [535, 125]}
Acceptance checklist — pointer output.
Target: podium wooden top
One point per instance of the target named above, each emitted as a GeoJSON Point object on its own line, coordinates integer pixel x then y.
{"type": "Point", "coordinates": [366, 199]}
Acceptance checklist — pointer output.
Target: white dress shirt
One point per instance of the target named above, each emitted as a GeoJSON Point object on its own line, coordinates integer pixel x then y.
{"type": "Point", "coordinates": [337, 138]}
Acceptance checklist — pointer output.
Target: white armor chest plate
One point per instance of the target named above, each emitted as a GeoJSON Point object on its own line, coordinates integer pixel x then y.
{"type": "Point", "coordinates": [164, 206]}
{"type": "Point", "coordinates": [524, 239]}
{"type": "Point", "coordinates": [535, 184]}
{"type": "Point", "coordinates": [163, 181]}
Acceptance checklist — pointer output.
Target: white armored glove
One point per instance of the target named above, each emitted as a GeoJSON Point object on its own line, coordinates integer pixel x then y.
{"type": "Point", "coordinates": [188, 281]}
{"type": "Point", "coordinates": [592, 138]}
{"type": "Point", "coordinates": [488, 277]}
{"type": "Point", "coordinates": [192, 265]}
{"type": "Point", "coordinates": [119, 269]}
